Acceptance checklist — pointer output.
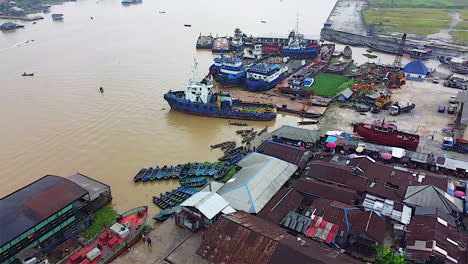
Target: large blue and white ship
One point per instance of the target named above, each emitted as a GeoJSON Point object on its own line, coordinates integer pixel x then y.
{"type": "Point", "coordinates": [201, 99]}
{"type": "Point", "coordinates": [299, 48]}
{"type": "Point", "coordinates": [228, 71]}
{"type": "Point", "coordinates": [237, 41]}
{"type": "Point", "coordinates": [264, 77]}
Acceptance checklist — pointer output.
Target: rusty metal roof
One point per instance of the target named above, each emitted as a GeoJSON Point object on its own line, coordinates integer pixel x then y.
{"type": "Point", "coordinates": [284, 201]}
{"type": "Point", "coordinates": [285, 152]}
{"type": "Point", "coordinates": [240, 238]}
{"type": "Point", "coordinates": [323, 190]}
{"type": "Point", "coordinates": [28, 206]}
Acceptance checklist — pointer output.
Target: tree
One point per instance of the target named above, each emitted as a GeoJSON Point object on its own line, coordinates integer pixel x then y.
{"type": "Point", "coordinates": [388, 256]}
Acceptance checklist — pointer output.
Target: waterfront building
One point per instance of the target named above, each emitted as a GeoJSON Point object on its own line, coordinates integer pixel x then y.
{"type": "Point", "coordinates": [45, 213]}
{"type": "Point", "coordinates": [416, 71]}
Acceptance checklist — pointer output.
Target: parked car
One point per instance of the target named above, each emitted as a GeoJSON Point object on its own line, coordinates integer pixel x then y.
{"type": "Point", "coordinates": [435, 80]}
{"type": "Point", "coordinates": [453, 99]}
{"type": "Point", "coordinates": [452, 109]}
{"type": "Point", "coordinates": [441, 109]}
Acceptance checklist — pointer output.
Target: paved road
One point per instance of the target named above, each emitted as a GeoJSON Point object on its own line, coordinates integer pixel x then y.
{"type": "Point", "coordinates": [347, 17]}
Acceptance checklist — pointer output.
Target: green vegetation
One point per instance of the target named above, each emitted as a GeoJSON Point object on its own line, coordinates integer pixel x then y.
{"type": "Point", "coordinates": [462, 25]}
{"type": "Point", "coordinates": [422, 21]}
{"type": "Point", "coordinates": [228, 175]}
{"type": "Point", "coordinates": [419, 3]}
{"type": "Point", "coordinates": [102, 217]}
{"type": "Point", "coordinates": [334, 61]}
{"type": "Point", "coordinates": [370, 56]}
{"type": "Point", "coordinates": [327, 84]}
{"type": "Point", "coordinates": [461, 37]}
{"type": "Point", "coordinates": [388, 256]}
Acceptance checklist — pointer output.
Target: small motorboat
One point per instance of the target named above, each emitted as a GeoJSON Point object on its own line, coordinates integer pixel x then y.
{"type": "Point", "coordinates": [140, 174]}
{"type": "Point", "coordinates": [154, 174]}
{"type": "Point", "coordinates": [27, 74]}
{"type": "Point", "coordinates": [187, 25]}
{"type": "Point", "coordinates": [185, 171]}
{"type": "Point", "coordinates": [222, 172]}
{"type": "Point", "coordinates": [263, 21]}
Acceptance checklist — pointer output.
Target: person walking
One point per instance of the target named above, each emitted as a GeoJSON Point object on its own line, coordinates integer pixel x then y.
{"type": "Point", "coordinates": [143, 237]}
{"type": "Point", "coordinates": [149, 241]}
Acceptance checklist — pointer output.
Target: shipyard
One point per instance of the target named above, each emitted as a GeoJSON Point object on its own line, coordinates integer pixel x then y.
{"type": "Point", "coordinates": [219, 135]}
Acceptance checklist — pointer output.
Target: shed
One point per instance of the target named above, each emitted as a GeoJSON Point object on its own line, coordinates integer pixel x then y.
{"type": "Point", "coordinates": [256, 183]}
{"type": "Point", "coordinates": [95, 188]}
{"type": "Point", "coordinates": [294, 155]}
{"type": "Point", "coordinates": [297, 134]}
{"type": "Point", "coordinates": [431, 196]}
{"type": "Point", "coordinates": [345, 95]}
{"type": "Point", "coordinates": [416, 71]}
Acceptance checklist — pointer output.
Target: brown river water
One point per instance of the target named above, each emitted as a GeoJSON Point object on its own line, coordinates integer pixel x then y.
{"type": "Point", "coordinates": [58, 123]}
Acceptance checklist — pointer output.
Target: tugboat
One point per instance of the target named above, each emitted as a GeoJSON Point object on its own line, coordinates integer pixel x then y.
{"type": "Point", "coordinates": [255, 53]}
{"type": "Point", "coordinates": [228, 71]}
{"type": "Point", "coordinates": [264, 77]}
{"type": "Point", "coordinates": [386, 134]}
{"type": "Point", "coordinates": [116, 239]}
{"type": "Point", "coordinates": [298, 48]}
{"type": "Point", "coordinates": [200, 99]}
{"type": "Point", "coordinates": [237, 41]}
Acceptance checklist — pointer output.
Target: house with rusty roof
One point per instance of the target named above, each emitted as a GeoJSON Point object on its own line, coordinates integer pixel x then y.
{"type": "Point", "coordinates": [312, 189]}
{"type": "Point", "coordinates": [432, 237]}
{"type": "Point", "coordinates": [43, 213]}
{"type": "Point", "coordinates": [289, 153]}
{"type": "Point", "coordinates": [243, 238]}
{"type": "Point", "coordinates": [284, 201]}
{"type": "Point", "coordinates": [433, 197]}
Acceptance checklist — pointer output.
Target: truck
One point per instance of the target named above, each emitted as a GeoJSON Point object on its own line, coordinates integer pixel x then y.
{"type": "Point", "coordinates": [401, 107]}
{"type": "Point", "coordinates": [459, 145]}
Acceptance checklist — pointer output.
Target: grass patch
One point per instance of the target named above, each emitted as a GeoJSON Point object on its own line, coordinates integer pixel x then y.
{"type": "Point", "coordinates": [422, 21]}
{"type": "Point", "coordinates": [334, 61]}
{"type": "Point", "coordinates": [327, 84]}
{"type": "Point", "coordinates": [461, 37]}
{"type": "Point", "coordinates": [462, 25]}
{"type": "Point", "coordinates": [419, 3]}
{"type": "Point", "coordinates": [229, 175]}
{"type": "Point", "coordinates": [104, 216]}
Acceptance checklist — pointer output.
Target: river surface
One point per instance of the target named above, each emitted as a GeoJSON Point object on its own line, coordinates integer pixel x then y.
{"type": "Point", "coordinates": [58, 123]}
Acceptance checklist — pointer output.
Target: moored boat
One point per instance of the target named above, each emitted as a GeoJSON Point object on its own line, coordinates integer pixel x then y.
{"type": "Point", "coordinates": [237, 123]}
{"type": "Point", "coordinates": [235, 159]}
{"type": "Point", "coordinates": [154, 174]}
{"type": "Point", "coordinates": [185, 171]}
{"type": "Point", "coordinates": [165, 214]}
{"type": "Point", "coordinates": [220, 145]}
{"type": "Point", "coordinates": [222, 172]}
{"type": "Point", "coordinates": [230, 73]}
{"type": "Point", "coordinates": [386, 134]}
{"type": "Point", "coordinates": [114, 240]}
{"type": "Point", "coordinates": [200, 99]}
{"type": "Point", "coordinates": [237, 41]}
{"type": "Point", "coordinates": [161, 173]}
{"type": "Point", "coordinates": [298, 48]}
{"type": "Point", "coordinates": [169, 171]}
{"type": "Point", "coordinates": [140, 174]}
{"type": "Point", "coordinates": [244, 131]}
{"type": "Point", "coordinates": [264, 77]}
{"type": "Point", "coordinates": [205, 42]}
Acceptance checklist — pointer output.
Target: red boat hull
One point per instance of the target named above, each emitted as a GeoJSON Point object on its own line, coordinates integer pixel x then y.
{"type": "Point", "coordinates": [271, 48]}
{"type": "Point", "coordinates": [393, 139]}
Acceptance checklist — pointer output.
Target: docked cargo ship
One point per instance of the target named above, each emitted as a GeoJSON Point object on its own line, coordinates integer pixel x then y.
{"type": "Point", "coordinates": [264, 77]}
{"type": "Point", "coordinates": [299, 48]}
{"type": "Point", "coordinates": [237, 41]}
{"type": "Point", "coordinates": [200, 99]}
{"type": "Point", "coordinates": [205, 42]}
{"type": "Point", "coordinates": [228, 71]}
{"type": "Point", "coordinates": [386, 134]}
{"type": "Point", "coordinates": [114, 240]}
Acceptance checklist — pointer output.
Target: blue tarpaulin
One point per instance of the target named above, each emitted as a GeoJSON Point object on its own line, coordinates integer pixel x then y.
{"type": "Point", "coordinates": [331, 139]}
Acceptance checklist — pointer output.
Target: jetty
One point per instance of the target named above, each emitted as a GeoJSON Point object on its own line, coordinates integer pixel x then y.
{"type": "Point", "coordinates": [23, 18]}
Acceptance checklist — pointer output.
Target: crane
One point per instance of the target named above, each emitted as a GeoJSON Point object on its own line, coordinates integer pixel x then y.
{"type": "Point", "coordinates": [399, 56]}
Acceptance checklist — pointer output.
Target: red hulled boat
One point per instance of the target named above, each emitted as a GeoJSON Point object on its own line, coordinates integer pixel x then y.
{"type": "Point", "coordinates": [114, 240]}
{"type": "Point", "coordinates": [386, 134]}
{"type": "Point", "coordinates": [271, 48]}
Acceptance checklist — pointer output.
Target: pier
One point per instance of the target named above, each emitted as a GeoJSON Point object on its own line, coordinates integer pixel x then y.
{"type": "Point", "coordinates": [22, 18]}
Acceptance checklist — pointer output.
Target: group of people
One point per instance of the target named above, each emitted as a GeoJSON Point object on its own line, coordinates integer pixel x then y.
{"type": "Point", "coordinates": [146, 240]}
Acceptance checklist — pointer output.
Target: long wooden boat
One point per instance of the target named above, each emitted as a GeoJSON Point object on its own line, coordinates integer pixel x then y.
{"type": "Point", "coordinates": [222, 172]}
{"type": "Point", "coordinates": [140, 174]}
{"type": "Point", "coordinates": [263, 131]}
{"type": "Point", "coordinates": [176, 171]}
{"type": "Point", "coordinates": [161, 173]}
{"type": "Point", "coordinates": [169, 171]}
{"type": "Point", "coordinates": [237, 124]}
{"type": "Point", "coordinates": [154, 174]}
{"type": "Point", "coordinates": [165, 214]}
{"type": "Point", "coordinates": [219, 145]}
{"type": "Point", "coordinates": [185, 171]}
{"type": "Point", "coordinates": [193, 169]}
{"type": "Point", "coordinates": [116, 239]}
{"type": "Point", "coordinates": [244, 131]}
{"type": "Point", "coordinates": [234, 160]}
{"type": "Point", "coordinates": [147, 174]}
{"type": "Point", "coordinates": [200, 170]}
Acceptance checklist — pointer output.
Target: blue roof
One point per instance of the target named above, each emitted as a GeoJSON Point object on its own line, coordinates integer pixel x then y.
{"type": "Point", "coordinates": [264, 67]}
{"type": "Point", "coordinates": [416, 67]}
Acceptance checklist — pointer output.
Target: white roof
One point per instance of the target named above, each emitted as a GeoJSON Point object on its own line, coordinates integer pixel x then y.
{"type": "Point", "coordinates": [212, 186]}
{"type": "Point", "coordinates": [398, 152]}
{"type": "Point", "coordinates": [455, 164]}
{"type": "Point", "coordinates": [261, 176]}
{"type": "Point", "coordinates": [347, 93]}
{"type": "Point", "coordinates": [208, 203]}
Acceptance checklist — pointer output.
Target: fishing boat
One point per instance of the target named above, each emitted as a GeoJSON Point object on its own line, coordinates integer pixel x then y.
{"type": "Point", "coordinates": [347, 52]}
{"type": "Point", "coordinates": [219, 145]}
{"type": "Point", "coordinates": [193, 169]}
{"type": "Point", "coordinates": [114, 240]}
{"type": "Point", "coordinates": [199, 99]}
{"type": "Point", "coordinates": [244, 131]}
{"type": "Point", "coordinates": [231, 71]}
{"type": "Point", "coordinates": [200, 170]}
{"type": "Point", "coordinates": [207, 170]}
{"type": "Point", "coordinates": [235, 159]}
{"type": "Point", "coordinates": [176, 171]}
{"type": "Point", "coordinates": [237, 41]}
{"type": "Point", "coordinates": [147, 174]}
{"type": "Point", "coordinates": [185, 171]}
{"type": "Point", "coordinates": [169, 171]}
{"type": "Point", "coordinates": [154, 174]}
{"type": "Point", "coordinates": [215, 169]}
{"type": "Point", "coordinates": [262, 77]}
{"type": "Point", "coordinates": [299, 48]}
{"type": "Point", "coordinates": [173, 198]}
{"type": "Point", "coordinates": [263, 131]}
{"type": "Point", "coordinates": [248, 139]}
{"type": "Point", "coordinates": [231, 147]}
{"type": "Point", "coordinates": [140, 174]}
{"type": "Point", "coordinates": [195, 182]}
{"type": "Point", "coordinates": [386, 134]}
{"type": "Point", "coordinates": [161, 173]}
{"type": "Point", "coordinates": [187, 25]}
{"type": "Point", "coordinates": [235, 151]}
{"type": "Point", "coordinates": [237, 123]}
{"type": "Point", "coordinates": [222, 172]}
{"type": "Point", "coordinates": [27, 74]}
{"type": "Point", "coordinates": [263, 21]}
{"type": "Point", "coordinates": [309, 122]}
{"type": "Point", "coordinates": [165, 214]}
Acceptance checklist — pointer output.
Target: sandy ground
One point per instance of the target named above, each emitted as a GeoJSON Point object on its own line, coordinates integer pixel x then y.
{"type": "Point", "coordinates": [346, 17]}
{"type": "Point", "coordinates": [423, 120]}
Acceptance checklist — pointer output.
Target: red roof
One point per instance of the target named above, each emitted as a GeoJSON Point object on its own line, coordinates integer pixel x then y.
{"type": "Point", "coordinates": [284, 201]}
{"type": "Point", "coordinates": [324, 190]}
{"type": "Point", "coordinates": [319, 228]}
{"type": "Point", "coordinates": [285, 152]}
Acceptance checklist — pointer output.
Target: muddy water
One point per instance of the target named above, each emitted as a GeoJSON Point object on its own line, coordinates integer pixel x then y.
{"type": "Point", "coordinates": [58, 123]}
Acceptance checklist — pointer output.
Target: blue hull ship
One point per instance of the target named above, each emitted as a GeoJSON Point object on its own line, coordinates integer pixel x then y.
{"type": "Point", "coordinates": [304, 53]}
{"type": "Point", "coordinates": [263, 78]}
{"type": "Point", "coordinates": [228, 71]}
{"type": "Point", "coordinates": [299, 48]}
{"type": "Point", "coordinates": [199, 99]}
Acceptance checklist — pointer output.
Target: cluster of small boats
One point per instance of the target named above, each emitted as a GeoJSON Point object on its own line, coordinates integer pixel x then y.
{"type": "Point", "coordinates": [231, 154]}
{"type": "Point", "coordinates": [237, 124]}
{"type": "Point", "coordinates": [174, 197]}
{"type": "Point", "coordinates": [184, 171]}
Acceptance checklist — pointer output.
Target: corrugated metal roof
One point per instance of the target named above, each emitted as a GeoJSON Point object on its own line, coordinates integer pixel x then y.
{"type": "Point", "coordinates": [208, 203]}
{"type": "Point", "coordinates": [328, 191]}
{"type": "Point", "coordinates": [284, 201]}
{"type": "Point", "coordinates": [30, 205]}
{"type": "Point", "coordinates": [347, 93]}
{"type": "Point", "coordinates": [431, 196]}
{"type": "Point", "coordinates": [95, 188]}
{"type": "Point", "coordinates": [285, 152]}
{"type": "Point", "coordinates": [261, 176]}
{"type": "Point", "coordinates": [297, 133]}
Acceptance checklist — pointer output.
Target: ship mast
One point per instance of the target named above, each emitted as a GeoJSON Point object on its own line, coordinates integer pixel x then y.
{"type": "Point", "coordinates": [297, 23]}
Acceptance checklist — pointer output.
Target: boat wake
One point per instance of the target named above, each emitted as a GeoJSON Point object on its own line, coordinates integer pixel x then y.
{"type": "Point", "coordinates": [19, 45]}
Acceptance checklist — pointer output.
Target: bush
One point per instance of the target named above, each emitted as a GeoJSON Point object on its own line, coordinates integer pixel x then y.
{"type": "Point", "coordinates": [102, 217]}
